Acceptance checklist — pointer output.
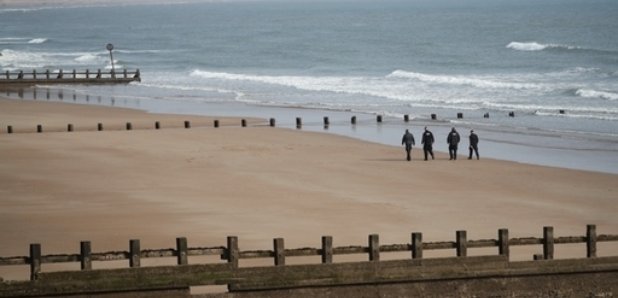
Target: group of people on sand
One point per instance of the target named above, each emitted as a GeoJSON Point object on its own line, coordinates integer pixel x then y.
{"type": "Point", "coordinates": [452, 140]}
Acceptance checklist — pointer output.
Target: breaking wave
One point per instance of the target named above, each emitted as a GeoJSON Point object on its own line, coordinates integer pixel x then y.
{"type": "Point", "coordinates": [535, 46]}
{"type": "Point", "coordinates": [589, 93]}
{"type": "Point", "coordinates": [479, 82]}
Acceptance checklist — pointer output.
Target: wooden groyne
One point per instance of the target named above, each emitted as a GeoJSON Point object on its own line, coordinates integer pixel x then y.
{"type": "Point", "coordinates": [466, 275]}
{"type": "Point", "coordinates": [48, 77]}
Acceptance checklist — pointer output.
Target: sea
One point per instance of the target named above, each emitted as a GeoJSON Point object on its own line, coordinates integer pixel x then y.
{"type": "Point", "coordinates": [537, 79]}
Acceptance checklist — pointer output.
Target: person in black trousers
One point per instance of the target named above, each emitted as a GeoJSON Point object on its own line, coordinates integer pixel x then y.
{"type": "Point", "coordinates": [427, 142]}
{"type": "Point", "coordinates": [408, 140]}
{"type": "Point", "coordinates": [474, 142]}
{"type": "Point", "coordinates": [453, 140]}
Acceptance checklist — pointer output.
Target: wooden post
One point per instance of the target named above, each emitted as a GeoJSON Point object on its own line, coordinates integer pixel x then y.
{"type": "Point", "coordinates": [134, 253]}
{"type": "Point", "coordinates": [181, 251]}
{"type": "Point", "coordinates": [129, 126]}
{"type": "Point", "coordinates": [125, 73]}
{"type": "Point", "coordinates": [233, 255]}
{"type": "Point", "coordinates": [379, 118]}
{"type": "Point", "coordinates": [85, 255]}
{"type": "Point", "coordinates": [326, 122]}
{"type": "Point", "coordinates": [187, 124]}
{"type": "Point", "coordinates": [87, 73]}
{"type": "Point", "coordinates": [299, 123]}
{"type": "Point", "coordinates": [591, 241]}
{"type": "Point", "coordinates": [99, 126]}
{"type": "Point", "coordinates": [47, 94]}
{"type": "Point", "coordinates": [353, 120]}
{"type": "Point", "coordinates": [462, 243]}
{"type": "Point", "coordinates": [243, 122]}
{"type": "Point", "coordinates": [548, 243]}
{"type": "Point", "coordinates": [459, 115]}
{"type": "Point", "coordinates": [9, 129]}
{"type": "Point", "coordinates": [511, 114]}
{"type": "Point", "coordinates": [279, 251]}
{"type": "Point", "coordinates": [406, 118]}
{"type": "Point", "coordinates": [74, 74]}
{"type": "Point", "coordinates": [327, 249]}
{"type": "Point", "coordinates": [272, 122]}
{"type": "Point", "coordinates": [417, 245]}
{"type": "Point", "coordinates": [503, 242]}
{"type": "Point", "coordinates": [35, 260]}
{"type": "Point", "coordinates": [374, 247]}
{"type": "Point", "coordinates": [47, 74]}
{"type": "Point", "coordinates": [537, 257]}
{"type": "Point", "coordinates": [157, 125]}
{"type": "Point", "coordinates": [70, 127]}
{"type": "Point", "coordinates": [98, 73]}
{"type": "Point", "coordinates": [8, 76]}
{"type": "Point", "coordinates": [434, 116]}
{"type": "Point", "coordinates": [39, 128]}
{"type": "Point", "coordinates": [34, 74]}
{"type": "Point", "coordinates": [216, 123]}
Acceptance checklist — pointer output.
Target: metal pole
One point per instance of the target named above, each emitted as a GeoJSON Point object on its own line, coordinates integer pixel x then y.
{"type": "Point", "coordinates": [110, 47]}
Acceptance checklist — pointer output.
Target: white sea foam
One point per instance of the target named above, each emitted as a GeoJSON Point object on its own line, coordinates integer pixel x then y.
{"type": "Point", "coordinates": [535, 46]}
{"type": "Point", "coordinates": [475, 81]}
{"type": "Point", "coordinates": [37, 40]}
{"type": "Point", "coordinates": [589, 93]}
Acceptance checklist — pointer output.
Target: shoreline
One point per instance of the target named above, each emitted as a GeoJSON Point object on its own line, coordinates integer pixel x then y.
{"type": "Point", "coordinates": [545, 148]}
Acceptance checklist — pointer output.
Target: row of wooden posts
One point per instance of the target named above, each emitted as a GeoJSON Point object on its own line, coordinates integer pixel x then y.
{"type": "Point", "coordinates": [47, 75]}
{"type": "Point", "coordinates": [232, 254]}
{"type": "Point", "coordinates": [216, 123]}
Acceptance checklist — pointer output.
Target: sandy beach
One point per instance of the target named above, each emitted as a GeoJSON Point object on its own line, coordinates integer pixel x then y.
{"type": "Point", "coordinates": [258, 183]}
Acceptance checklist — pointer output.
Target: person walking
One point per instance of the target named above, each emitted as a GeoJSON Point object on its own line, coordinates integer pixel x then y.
{"type": "Point", "coordinates": [427, 142]}
{"type": "Point", "coordinates": [474, 142]}
{"type": "Point", "coordinates": [408, 141]}
{"type": "Point", "coordinates": [453, 140]}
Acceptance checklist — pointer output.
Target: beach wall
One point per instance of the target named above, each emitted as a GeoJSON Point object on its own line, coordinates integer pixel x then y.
{"type": "Point", "coordinates": [462, 275]}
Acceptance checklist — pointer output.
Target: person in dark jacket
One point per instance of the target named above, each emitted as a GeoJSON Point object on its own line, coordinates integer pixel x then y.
{"type": "Point", "coordinates": [427, 142]}
{"type": "Point", "coordinates": [474, 142]}
{"type": "Point", "coordinates": [408, 140]}
{"type": "Point", "coordinates": [453, 140]}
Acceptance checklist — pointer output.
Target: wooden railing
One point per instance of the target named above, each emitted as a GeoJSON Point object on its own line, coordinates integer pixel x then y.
{"type": "Point", "coordinates": [74, 76]}
{"type": "Point", "coordinates": [279, 253]}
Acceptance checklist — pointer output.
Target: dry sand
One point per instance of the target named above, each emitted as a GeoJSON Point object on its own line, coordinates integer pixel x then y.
{"type": "Point", "coordinates": [259, 183]}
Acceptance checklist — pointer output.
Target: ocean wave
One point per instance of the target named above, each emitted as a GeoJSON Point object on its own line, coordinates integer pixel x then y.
{"type": "Point", "coordinates": [37, 40]}
{"type": "Point", "coordinates": [589, 93]}
{"type": "Point", "coordinates": [479, 82]}
{"type": "Point", "coordinates": [535, 46]}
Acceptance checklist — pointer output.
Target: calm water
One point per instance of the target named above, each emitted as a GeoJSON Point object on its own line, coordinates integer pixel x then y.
{"type": "Point", "coordinates": [533, 58]}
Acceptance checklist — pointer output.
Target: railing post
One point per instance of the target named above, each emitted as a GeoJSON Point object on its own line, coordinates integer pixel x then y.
{"type": "Point", "coordinates": [374, 247]}
{"type": "Point", "coordinates": [35, 260]}
{"type": "Point", "coordinates": [60, 74]}
{"type": "Point", "coordinates": [34, 74]}
{"type": "Point", "coordinates": [548, 243]}
{"type": "Point", "coordinates": [74, 74]}
{"type": "Point", "coordinates": [20, 75]}
{"type": "Point", "coordinates": [125, 73]}
{"type": "Point", "coordinates": [85, 255]}
{"type": "Point", "coordinates": [503, 242]}
{"type": "Point", "coordinates": [47, 74]}
{"type": "Point", "coordinates": [417, 245]}
{"type": "Point", "coordinates": [462, 243]}
{"type": "Point", "coordinates": [591, 241]}
{"type": "Point", "coordinates": [98, 73]}
{"type": "Point", "coordinates": [8, 76]}
{"type": "Point", "coordinates": [181, 251]}
{"type": "Point", "coordinates": [233, 255]}
{"type": "Point", "coordinates": [327, 249]}
{"type": "Point", "coordinates": [112, 74]}
{"type": "Point", "coordinates": [279, 251]}
{"type": "Point", "coordinates": [87, 73]}
{"type": "Point", "coordinates": [134, 253]}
